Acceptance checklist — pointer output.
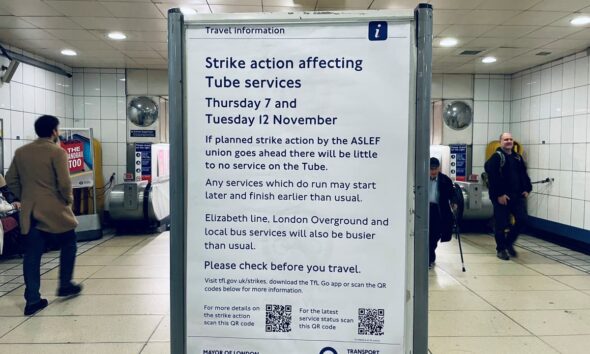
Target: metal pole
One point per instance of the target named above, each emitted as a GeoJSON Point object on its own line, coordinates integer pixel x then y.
{"type": "Point", "coordinates": [34, 62]}
{"type": "Point", "coordinates": [94, 211]}
{"type": "Point", "coordinates": [423, 16]}
{"type": "Point", "coordinates": [177, 183]}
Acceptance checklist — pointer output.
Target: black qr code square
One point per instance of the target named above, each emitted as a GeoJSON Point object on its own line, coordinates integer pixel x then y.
{"type": "Point", "coordinates": [371, 322]}
{"type": "Point", "coordinates": [278, 318]}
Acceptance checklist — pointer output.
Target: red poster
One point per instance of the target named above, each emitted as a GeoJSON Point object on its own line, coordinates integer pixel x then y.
{"type": "Point", "coordinates": [75, 150]}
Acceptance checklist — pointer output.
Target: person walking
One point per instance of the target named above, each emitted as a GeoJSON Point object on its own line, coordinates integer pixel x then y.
{"type": "Point", "coordinates": [442, 199]}
{"type": "Point", "coordinates": [509, 185]}
{"type": "Point", "coordinates": [39, 177]}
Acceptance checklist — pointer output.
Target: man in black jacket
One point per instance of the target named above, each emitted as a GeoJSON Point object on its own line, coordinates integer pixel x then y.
{"type": "Point", "coordinates": [441, 197]}
{"type": "Point", "coordinates": [510, 185]}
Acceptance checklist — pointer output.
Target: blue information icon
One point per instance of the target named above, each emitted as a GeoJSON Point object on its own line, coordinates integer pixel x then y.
{"type": "Point", "coordinates": [377, 30]}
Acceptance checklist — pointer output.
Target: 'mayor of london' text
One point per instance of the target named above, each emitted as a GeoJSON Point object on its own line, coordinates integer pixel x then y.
{"type": "Point", "coordinates": [245, 30]}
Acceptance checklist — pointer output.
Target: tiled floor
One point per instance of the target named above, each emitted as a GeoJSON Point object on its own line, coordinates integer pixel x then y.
{"type": "Point", "coordinates": [558, 253]}
{"type": "Point", "coordinates": [530, 304]}
{"type": "Point", "coordinates": [124, 307]}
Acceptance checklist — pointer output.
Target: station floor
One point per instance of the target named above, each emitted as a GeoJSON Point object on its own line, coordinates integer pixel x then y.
{"type": "Point", "coordinates": [536, 303]}
{"type": "Point", "coordinates": [531, 304]}
{"type": "Point", "coordinates": [124, 307]}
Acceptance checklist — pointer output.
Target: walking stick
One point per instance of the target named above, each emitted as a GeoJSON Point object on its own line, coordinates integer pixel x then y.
{"type": "Point", "coordinates": [458, 236]}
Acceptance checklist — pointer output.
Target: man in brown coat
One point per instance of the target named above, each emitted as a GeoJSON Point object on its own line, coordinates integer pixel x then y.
{"type": "Point", "coordinates": [39, 177]}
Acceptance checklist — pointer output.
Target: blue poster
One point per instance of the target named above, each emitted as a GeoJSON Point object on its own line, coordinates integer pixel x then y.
{"type": "Point", "coordinates": [458, 166]}
{"type": "Point", "coordinates": [145, 149]}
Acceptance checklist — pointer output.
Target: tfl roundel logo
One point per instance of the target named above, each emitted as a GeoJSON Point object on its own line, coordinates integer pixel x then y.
{"type": "Point", "coordinates": [328, 350]}
{"type": "Point", "coordinates": [377, 30]}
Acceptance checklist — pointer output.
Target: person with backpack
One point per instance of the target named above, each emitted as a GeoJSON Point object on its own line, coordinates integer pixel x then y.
{"type": "Point", "coordinates": [509, 186]}
{"type": "Point", "coordinates": [442, 198]}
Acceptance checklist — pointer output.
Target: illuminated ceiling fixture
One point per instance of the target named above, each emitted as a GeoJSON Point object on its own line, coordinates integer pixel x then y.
{"type": "Point", "coordinates": [188, 11]}
{"type": "Point", "coordinates": [448, 42]}
{"type": "Point", "coordinates": [488, 60]}
{"type": "Point", "coordinates": [69, 52]}
{"type": "Point", "coordinates": [118, 36]}
{"type": "Point", "coordinates": [580, 21]}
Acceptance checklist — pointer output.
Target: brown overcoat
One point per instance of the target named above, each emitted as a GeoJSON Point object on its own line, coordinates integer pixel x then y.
{"type": "Point", "coordinates": [39, 177]}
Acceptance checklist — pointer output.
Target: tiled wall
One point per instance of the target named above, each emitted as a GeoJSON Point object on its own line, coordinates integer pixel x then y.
{"type": "Point", "coordinates": [491, 114]}
{"type": "Point", "coordinates": [147, 82]}
{"type": "Point", "coordinates": [491, 106]}
{"type": "Point", "coordinates": [92, 98]}
{"type": "Point", "coordinates": [550, 117]}
{"type": "Point", "coordinates": [99, 103]}
{"type": "Point", "coordinates": [32, 92]}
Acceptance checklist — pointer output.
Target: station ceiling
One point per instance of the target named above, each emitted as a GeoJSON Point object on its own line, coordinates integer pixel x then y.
{"type": "Point", "coordinates": [519, 33]}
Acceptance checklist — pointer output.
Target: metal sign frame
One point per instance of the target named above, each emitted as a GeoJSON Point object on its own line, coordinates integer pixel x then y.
{"type": "Point", "coordinates": [416, 331]}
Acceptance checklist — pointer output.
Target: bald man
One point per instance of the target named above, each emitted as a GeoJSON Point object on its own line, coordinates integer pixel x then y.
{"type": "Point", "coordinates": [510, 185]}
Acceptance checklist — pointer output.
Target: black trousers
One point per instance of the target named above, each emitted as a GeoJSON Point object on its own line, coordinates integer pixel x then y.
{"type": "Point", "coordinates": [35, 245]}
{"type": "Point", "coordinates": [517, 207]}
{"type": "Point", "coordinates": [434, 231]}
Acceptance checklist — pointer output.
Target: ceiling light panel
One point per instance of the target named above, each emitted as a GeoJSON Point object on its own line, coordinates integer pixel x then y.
{"type": "Point", "coordinates": [187, 10]}
{"type": "Point", "coordinates": [69, 52]}
{"type": "Point", "coordinates": [580, 20]}
{"type": "Point", "coordinates": [118, 36]}
{"type": "Point", "coordinates": [448, 42]}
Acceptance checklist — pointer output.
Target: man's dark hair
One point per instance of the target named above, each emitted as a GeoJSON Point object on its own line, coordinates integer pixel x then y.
{"type": "Point", "coordinates": [434, 163]}
{"type": "Point", "coordinates": [45, 125]}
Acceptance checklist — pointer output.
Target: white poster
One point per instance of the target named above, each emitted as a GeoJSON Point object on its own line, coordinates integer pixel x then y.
{"type": "Point", "coordinates": [297, 156]}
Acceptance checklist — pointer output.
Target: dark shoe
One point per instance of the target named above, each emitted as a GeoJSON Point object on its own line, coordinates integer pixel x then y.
{"type": "Point", "coordinates": [33, 308]}
{"type": "Point", "coordinates": [73, 289]}
{"type": "Point", "coordinates": [503, 255]}
{"type": "Point", "coordinates": [511, 251]}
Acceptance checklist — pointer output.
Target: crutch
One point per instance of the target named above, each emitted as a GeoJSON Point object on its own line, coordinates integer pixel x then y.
{"type": "Point", "coordinates": [457, 213]}
{"type": "Point", "coordinates": [458, 236]}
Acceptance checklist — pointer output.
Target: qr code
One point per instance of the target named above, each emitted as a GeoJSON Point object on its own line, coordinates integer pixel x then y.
{"type": "Point", "coordinates": [278, 318]}
{"type": "Point", "coordinates": [371, 322]}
